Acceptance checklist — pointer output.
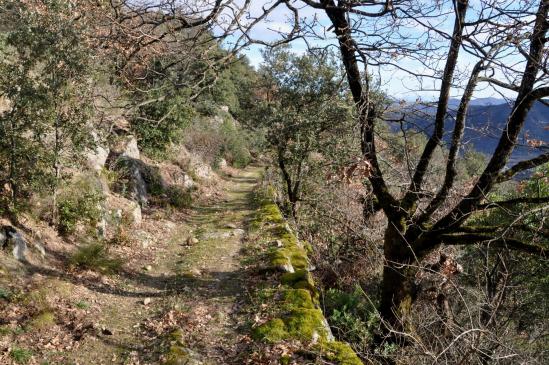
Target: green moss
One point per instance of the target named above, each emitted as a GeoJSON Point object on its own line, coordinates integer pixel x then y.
{"type": "Point", "coordinates": [42, 320]}
{"type": "Point", "coordinates": [271, 213]}
{"type": "Point", "coordinates": [300, 279]}
{"type": "Point", "coordinates": [289, 253]}
{"type": "Point", "coordinates": [304, 323]}
{"type": "Point", "coordinates": [340, 352]}
{"type": "Point", "coordinates": [298, 315]}
{"type": "Point", "coordinates": [177, 353]}
{"type": "Point", "coordinates": [271, 331]}
{"type": "Point", "coordinates": [298, 298]}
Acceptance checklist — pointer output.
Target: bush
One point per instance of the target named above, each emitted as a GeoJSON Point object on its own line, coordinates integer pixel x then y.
{"type": "Point", "coordinates": [160, 123]}
{"type": "Point", "coordinates": [351, 316]}
{"type": "Point", "coordinates": [207, 108]}
{"type": "Point", "coordinates": [235, 146]}
{"type": "Point", "coordinates": [179, 197]}
{"type": "Point", "coordinates": [84, 208]}
{"type": "Point", "coordinates": [80, 203]}
{"type": "Point", "coordinates": [94, 256]}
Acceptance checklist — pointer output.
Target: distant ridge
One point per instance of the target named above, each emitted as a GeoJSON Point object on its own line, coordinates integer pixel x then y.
{"type": "Point", "coordinates": [485, 119]}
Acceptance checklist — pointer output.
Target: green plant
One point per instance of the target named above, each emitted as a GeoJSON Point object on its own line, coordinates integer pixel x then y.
{"type": "Point", "coordinates": [80, 203]}
{"type": "Point", "coordinates": [20, 355]}
{"type": "Point", "coordinates": [161, 123]}
{"type": "Point", "coordinates": [5, 294]}
{"type": "Point", "coordinates": [179, 197]}
{"type": "Point", "coordinates": [94, 256]}
{"type": "Point", "coordinates": [5, 330]}
{"type": "Point", "coordinates": [351, 316]}
{"type": "Point", "coordinates": [235, 145]}
{"type": "Point", "coordinates": [82, 304]}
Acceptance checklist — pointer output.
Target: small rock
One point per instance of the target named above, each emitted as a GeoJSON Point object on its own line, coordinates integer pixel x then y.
{"type": "Point", "coordinates": [192, 241]}
{"type": "Point", "coordinates": [223, 163]}
{"type": "Point", "coordinates": [148, 268]}
{"type": "Point", "coordinates": [136, 215]}
{"type": "Point", "coordinates": [287, 267]}
{"type": "Point", "coordinates": [238, 232]}
{"type": "Point", "coordinates": [193, 273]}
{"type": "Point", "coordinates": [231, 225]}
{"type": "Point", "coordinates": [146, 301]}
{"type": "Point", "coordinates": [278, 243]}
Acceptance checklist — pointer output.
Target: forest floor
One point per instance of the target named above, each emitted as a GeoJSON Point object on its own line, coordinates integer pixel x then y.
{"type": "Point", "coordinates": [188, 281]}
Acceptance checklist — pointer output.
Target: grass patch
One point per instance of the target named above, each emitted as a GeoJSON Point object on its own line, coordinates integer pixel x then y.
{"type": "Point", "coordinates": [5, 331]}
{"type": "Point", "coordinates": [94, 256]}
{"type": "Point", "coordinates": [20, 355]}
{"type": "Point", "coordinates": [42, 320]}
{"type": "Point", "coordinates": [82, 304]}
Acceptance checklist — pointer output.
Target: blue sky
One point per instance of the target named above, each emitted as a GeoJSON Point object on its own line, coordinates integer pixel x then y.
{"type": "Point", "coordinates": [396, 83]}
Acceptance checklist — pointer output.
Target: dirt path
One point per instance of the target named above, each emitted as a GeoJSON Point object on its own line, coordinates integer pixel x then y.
{"type": "Point", "coordinates": [197, 288]}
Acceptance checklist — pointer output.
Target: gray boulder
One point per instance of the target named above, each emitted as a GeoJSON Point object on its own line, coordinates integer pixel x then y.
{"type": "Point", "coordinates": [129, 148]}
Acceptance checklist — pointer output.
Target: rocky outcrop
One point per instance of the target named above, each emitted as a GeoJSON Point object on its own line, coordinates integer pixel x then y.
{"type": "Point", "coordinates": [97, 157]}
{"type": "Point", "coordinates": [201, 169]}
{"type": "Point", "coordinates": [128, 148]}
{"type": "Point", "coordinates": [11, 237]}
{"type": "Point", "coordinates": [174, 175]}
{"type": "Point", "coordinates": [125, 158]}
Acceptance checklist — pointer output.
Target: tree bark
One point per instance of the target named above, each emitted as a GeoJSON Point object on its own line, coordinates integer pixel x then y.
{"type": "Point", "coordinates": [397, 288]}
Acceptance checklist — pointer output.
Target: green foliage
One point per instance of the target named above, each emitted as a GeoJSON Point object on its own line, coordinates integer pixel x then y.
{"type": "Point", "coordinates": [179, 197]}
{"type": "Point", "coordinates": [516, 281]}
{"type": "Point", "coordinates": [235, 146]}
{"type": "Point", "coordinates": [351, 316]}
{"type": "Point", "coordinates": [5, 294]}
{"type": "Point", "coordinates": [94, 256]}
{"type": "Point", "coordinates": [207, 108]}
{"type": "Point", "coordinates": [79, 204]}
{"type": "Point", "coordinates": [305, 113]}
{"type": "Point", "coordinates": [233, 87]}
{"type": "Point", "coordinates": [20, 355]}
{"type": "Point", "coordinates": [160, 123]}
{"type": "Point", "coordinates": [43, 73]}
{"type": "Point", "coordinates": [216, 139]}
{"type": "Point", "coordinates": [82, 304]}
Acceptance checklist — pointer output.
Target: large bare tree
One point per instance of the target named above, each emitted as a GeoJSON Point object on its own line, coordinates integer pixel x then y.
{"type": "Point", "coordinates": [446, 47]}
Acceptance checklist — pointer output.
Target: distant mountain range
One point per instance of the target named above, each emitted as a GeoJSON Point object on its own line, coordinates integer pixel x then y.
{"type": "Point", "coordinates": [486, 118]}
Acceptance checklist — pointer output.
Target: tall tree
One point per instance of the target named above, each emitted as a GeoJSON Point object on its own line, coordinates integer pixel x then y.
{"type": "Point", "coordinates": [304, 111]}
{"type": "Point", "coordinates": [46, 83]}
{"type": "Point", "coordinates": [504, 42]}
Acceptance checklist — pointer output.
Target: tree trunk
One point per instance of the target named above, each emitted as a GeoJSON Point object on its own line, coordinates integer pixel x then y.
{"type": "Point", "coordinates": [397, 290]}
{"type": "Point", "coordinates": [57, 175]}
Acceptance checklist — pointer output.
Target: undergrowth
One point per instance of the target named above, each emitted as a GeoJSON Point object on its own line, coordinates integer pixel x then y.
{"type": "Point", "coordinates": [94, 256]}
